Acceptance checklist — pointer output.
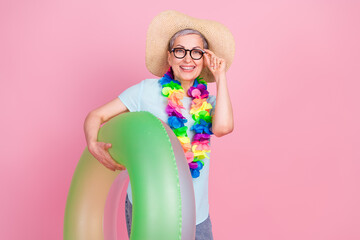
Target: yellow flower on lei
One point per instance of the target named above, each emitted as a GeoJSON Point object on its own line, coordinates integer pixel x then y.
{"type": "Point", "coordinates": [204, 107]}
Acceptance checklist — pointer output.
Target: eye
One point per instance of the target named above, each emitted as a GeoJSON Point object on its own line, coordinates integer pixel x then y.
{"type": "Point", "coordinates": [179, 50]}
{"type": "Point", "coordinates": [197, 52]}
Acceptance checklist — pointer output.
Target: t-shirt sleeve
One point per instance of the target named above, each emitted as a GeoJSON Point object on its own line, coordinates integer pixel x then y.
{"type": "Point", "coordinates": [212, 101]}
{"type": "Point", "coordinates": [131, 97]}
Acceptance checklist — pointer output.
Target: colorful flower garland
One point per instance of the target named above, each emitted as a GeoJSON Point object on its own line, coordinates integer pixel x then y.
{"type": "Point", "coordinates": [196, 151]}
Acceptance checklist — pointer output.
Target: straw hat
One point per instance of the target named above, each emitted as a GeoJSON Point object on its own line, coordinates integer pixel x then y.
{"type": "Point", "coordinates": [167, 23]}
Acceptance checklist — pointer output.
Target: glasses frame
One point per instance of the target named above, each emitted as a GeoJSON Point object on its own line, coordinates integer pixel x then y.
{"type": "Point", "coordinates": [186, 50]}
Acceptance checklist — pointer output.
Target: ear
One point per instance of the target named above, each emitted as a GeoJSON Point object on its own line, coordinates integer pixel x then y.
{"type": "Point", "coordinates": [169, 57]}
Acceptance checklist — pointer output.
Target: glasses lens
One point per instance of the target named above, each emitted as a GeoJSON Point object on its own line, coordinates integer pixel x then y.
{"type": "Point", "coordinates": [179, 52]}
{"type": "Point", "coordinates": [196, 54]}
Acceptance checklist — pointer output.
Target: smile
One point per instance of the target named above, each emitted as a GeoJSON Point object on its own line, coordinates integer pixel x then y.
{"type": "Point", "coordinates": [187, 69]}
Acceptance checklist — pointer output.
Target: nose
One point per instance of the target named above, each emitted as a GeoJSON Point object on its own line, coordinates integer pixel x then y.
{"type": "Point", "coordinates": [187, 57]}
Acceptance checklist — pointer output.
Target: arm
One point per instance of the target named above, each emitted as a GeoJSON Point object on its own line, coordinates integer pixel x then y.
{"type": "Point", "coordinates": [222, 121]}
{"type": "Point", "coordinates": [92, 125]}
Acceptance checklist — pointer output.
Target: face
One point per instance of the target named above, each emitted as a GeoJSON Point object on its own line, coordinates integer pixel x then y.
{"type": "Point", "coordinates": [189, 41]}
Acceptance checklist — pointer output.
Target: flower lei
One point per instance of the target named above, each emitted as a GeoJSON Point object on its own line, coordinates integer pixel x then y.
{"type": "Point", "coordinates": [196, 151]}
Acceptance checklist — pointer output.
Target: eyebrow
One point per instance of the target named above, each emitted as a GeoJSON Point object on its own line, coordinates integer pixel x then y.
{"type": "Point", "coordinates": [184, 47]}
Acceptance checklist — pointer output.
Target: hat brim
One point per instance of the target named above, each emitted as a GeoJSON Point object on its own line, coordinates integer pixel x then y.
{"type": "Point", "coordinates": [167, 23]}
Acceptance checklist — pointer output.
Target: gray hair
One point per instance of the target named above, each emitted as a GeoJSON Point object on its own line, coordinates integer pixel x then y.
{"type": "Point", "coordinates": [186, 31]}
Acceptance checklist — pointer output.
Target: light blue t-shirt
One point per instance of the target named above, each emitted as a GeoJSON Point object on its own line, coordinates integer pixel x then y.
{"type": "Point", "coordinates": [146, 96]}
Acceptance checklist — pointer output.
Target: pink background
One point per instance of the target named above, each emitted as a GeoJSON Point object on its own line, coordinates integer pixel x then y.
{"type": "Point", "coordinates": [290, 169]}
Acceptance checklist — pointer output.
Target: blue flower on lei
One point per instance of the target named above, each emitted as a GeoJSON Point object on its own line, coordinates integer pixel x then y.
{"type": "Point", "coordinates": [202, 127]}
{"type": "Point", "coordinates": [175, 122]}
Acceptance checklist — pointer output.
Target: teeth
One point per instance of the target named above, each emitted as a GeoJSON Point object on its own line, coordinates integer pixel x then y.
{"type": "Point", "coordinates": [187, 68]}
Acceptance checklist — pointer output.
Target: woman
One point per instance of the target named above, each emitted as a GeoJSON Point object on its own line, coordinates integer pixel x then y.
{"type": "Point", "coordinates": [180, 61]}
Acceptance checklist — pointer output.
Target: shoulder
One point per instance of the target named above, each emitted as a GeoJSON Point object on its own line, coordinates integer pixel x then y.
{"type": "Point", "coordinates": [150, 80]}
{"type": "Point", "coordinates": [146, 84]}
{"type": "Point", "coordinates": [150, 87]}
{"type": "Point", "coordinates": [151, 83]}
{"type": "Point", "coordinates": [139, 87]}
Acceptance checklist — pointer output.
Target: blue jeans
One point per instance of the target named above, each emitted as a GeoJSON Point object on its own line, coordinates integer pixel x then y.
{"type": "Point", "coordinates": [203, 230]}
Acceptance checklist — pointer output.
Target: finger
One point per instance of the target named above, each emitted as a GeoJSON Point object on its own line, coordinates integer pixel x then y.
{"type": "Point", "coordinates": [119, 166]}
{"type": "Point", "coordinates": [208, 51]}
{"type": "Point", "coordinates": [108, 166]}
{"type": "Point", "coordinates": [212, 54]}
{"type": "Point", "coordinates": [213, 61]}
{"type": "Point", "coordinates": [207, 55]}
{"type": "Point", "coordinates": [107, 159]}
{"type": "Point", "coordinates": [224, 63]}
{"type": "Point", "coordinates": [101, 157]}
{"type": "Point", "coordinates": [112, 162]}
{"type": "Point", "coordinates": [207, 60]}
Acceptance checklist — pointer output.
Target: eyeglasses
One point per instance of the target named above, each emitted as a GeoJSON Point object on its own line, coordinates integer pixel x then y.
{"type": "Point", "coordinates": [195, 54]}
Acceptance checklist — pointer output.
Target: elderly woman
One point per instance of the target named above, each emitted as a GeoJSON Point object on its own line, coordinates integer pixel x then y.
{"type": "Point", "coordinates": [180, 98]}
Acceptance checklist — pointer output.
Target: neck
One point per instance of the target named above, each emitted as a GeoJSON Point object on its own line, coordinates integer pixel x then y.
{"type": "Point", "coordinates": [186, 85]}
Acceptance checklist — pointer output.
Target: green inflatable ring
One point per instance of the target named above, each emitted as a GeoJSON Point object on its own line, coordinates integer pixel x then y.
{"type": "Point", "coordinates": [161, 183]}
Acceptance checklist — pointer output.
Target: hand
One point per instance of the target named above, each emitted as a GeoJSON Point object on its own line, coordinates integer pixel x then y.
{"type": "Point", "coordinates": [215, 64]}
{"type": "Point", "coordinates": [100, 151]}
